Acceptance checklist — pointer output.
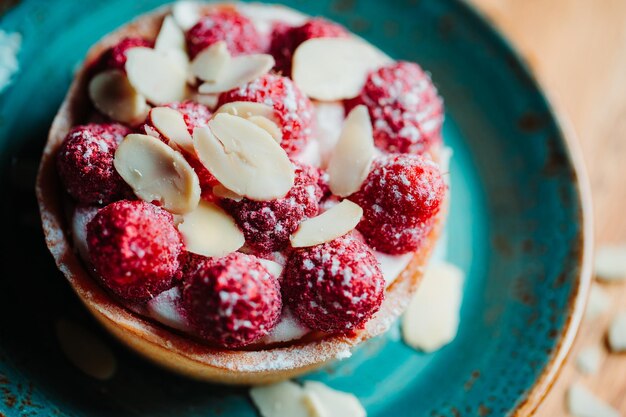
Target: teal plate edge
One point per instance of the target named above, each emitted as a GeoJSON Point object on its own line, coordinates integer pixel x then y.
{"type": "Point", "coordinates": [24, 377]}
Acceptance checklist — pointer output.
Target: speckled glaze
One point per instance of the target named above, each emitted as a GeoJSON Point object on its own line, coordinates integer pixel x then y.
{"type": "Point", "coordinates": [519, 226]}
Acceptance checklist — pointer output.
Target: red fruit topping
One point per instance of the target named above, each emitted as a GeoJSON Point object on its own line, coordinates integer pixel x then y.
{"type": "Point", "coordinates": [333, 287]}
{"type": "Point", "coordinates": [400, 197]}
{"type": "Point", "coordinates": [285, 39]}
{"type": "Point", "coordinates": [226, 25]}
{"type": "Point", "coordinates": [231, 301]}
{"type": "Point", "coordinates": [115, 56]}
{"type": "Point", "coordinates": [85, 163]}
{"type": "Point", "coordinates": [134, 248]}
{"type": "Point", "coordinates": [292, 108]}
{"type": "Point", "coordinates": [268, 224]}
{"type": "Point", "coordinates": [406, 111]}
{"type": "Point", "coordinates": [195, 115]}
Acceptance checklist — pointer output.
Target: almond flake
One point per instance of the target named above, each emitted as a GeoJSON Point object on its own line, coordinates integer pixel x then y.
{"type": "Point", "coordinates": [352, 158]}
{"type": "Point", "coordinates": [244, 158]}
{"type": "Point", "coordinates": [186, 13]}
{"type": "Point", "coordinates": [331, 69]}
{"type": "Point", "coordinates": [171, 125]}
{"type": "Point", "coordinates": [589, 360]}
{"type": "Point", "coordinates": [209, 100]}
{"type": "Point", "coordinates": [324, 401]}
{"type": "Point", "coordinates": [610, 263]}
{"type": "Point", "coordinates": [617, 333]}
{"type": "Point", "coordinates": [333, 223]}
{"type": "Point", "coordinates": [113, 95]}
{"type": "Point", "coordinates": [223, 192]}
{"type": "Point", "coordinates": [283, 399]}
{"type": "Point", "coordinates": [260, 114]}
{"type": "Point", "coordinates": [272, 267]}
{"type": "Point", "coordinates": [209, 65]}
{"type": "Point", "coordinates": [155, 75]}
{"type": "Point", "coordinates": [210, 231]}
{"type": "Point", "coordinates": [170, 36]}
{"type": "Point", "coordinates": [240, 70]}
{"type": "Point", "coordinates": [582, 403]}
{"type": "Point", "coordinates": [158, 173]}
{"type": "Point", "coordinates": [432, 318]}
{"type": "Point", "coordinates": [598, 302]}
{"type": "Point", "coordinates": [85, 350]}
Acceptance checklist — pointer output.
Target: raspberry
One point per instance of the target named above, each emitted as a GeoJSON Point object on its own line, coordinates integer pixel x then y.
{"type": "Point", "coordinates": [231, 301]}
{"type": "Point", "coordinates": [85, 163]}
{"type": "Point", "coordinates": [115, 56]}
{"type": "Point", "coordinates": [400, 198]}
{"type": "Point", "coordinates": [285, 39]}
{"type": "Point", "coordinates": [268, 224]}
{"type": "Point", "coordinates": [195, 115]}
{"type": "Point", "coordinates": [226, 25]}
{"type": "Point", "coordinates": [333, 287]}
{"type": "Point", "coordinates": [406, 111]}
{"type": "Point", "coordinates": [134, 248]}
{"type": "Point", "coordinates": [292, 108]}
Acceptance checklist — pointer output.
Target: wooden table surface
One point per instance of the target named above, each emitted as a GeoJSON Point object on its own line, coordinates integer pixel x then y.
{"type": "Point", "coordinates": [577, 48]}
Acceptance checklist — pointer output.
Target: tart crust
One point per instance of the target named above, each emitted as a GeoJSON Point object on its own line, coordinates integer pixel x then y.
{"type": "Point", "coordinates": [161, 345]}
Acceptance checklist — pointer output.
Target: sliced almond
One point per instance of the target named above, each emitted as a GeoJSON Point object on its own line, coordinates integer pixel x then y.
{"type": "Point", "coordinates": [244, 158]}
{"type": "Point", "coordinates": [432, 318]}
{"type": "Point", "coordinates": [156, 76]}
{"type": "Point", "coordinates": [260, 114]}
{"type": "Point", "coordinates": [210, 231]}
{"type": "Point", "coordinates": [171, 125]}
{"type": "Point", "coordinates": [85, 350]}
{"type": "Point", "coordinates": [330, 69]}
{"type": "Point", "coordinates": [112, 94]}
{"type": "Point", "coordinates": [170, 36]}
{"type": "Point", "coordinates": [582, 403]}
{"type": "Point", "coordinates": [186, 13]}
{"type": "Point", "coordinates": [272, 267]}
{"type": "Point", "coordinates": [240, 70]}
{"type": "Point", "coordinates": [157, 172]}
{"type": "Point", "coordinates": [331, 224]}
{"type": "Point", "coordinates": [598, 302]}
{"type": "Point", "coordinates": [617, 332]}
{"type": "Point", "coordinates": [223, 192]}
{"type": "Point", "coordinates": [209, 65]}
{"type": "Point", "coordinates": [209, 100]}
{"type": "Point", "coordinates": [324, 401]}
{"type": "Point", "coordinates": [283, 399]}
{"type": "Point", "coordinates": [353, 155]}
{"type": "Point", "coordinates": [610, 263]}
{"type": "Point", "coordinates": [589, 360]}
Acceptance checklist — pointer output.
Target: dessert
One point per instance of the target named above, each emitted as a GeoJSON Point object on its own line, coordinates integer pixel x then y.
{"type": "Point", "coordinates": [211, 213]}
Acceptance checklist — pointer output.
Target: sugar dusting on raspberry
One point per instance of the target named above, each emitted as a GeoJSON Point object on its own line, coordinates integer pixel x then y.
{"type": "Point", "coordinates": [334, 287]}
{"type": "Point", "coordinates": [268, 224]}
{"type": "Point", "coordinates": [230, 301]}
{"type": "Point", "coordinates": [226, 25]}
{"type": "Point", "coordinates": [400, 198]}
{"type": "Point", "coordinates": [405, 108]}
{"type": "Point", "coordinates": [285, 39]}
{"type": "Point", "coordinates": [85, 163]}
{"type": "Point", "coordinates": [293, 110]}
{"type": "Point", "coordinates": [134, 248]}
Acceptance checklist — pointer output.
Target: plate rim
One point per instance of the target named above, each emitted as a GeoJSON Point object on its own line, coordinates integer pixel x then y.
{"type": "Point", "coordinates": [529, 402]}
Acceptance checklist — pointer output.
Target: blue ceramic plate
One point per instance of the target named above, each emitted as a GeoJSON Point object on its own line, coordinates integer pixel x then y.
{"type": "Point", "coordinates": [518, 227]}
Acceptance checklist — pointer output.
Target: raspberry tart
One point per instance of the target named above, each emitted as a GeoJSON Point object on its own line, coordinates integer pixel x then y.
{"type": "Point", "coordinates": [242, 193]}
